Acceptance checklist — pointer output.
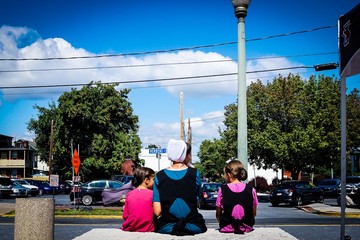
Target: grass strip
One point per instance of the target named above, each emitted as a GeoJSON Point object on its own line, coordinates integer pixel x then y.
{"type": "Point", "coordinates": [80, 212]}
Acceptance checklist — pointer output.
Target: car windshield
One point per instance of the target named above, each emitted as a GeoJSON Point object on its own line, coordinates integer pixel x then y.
{"type": "Point", "coordinates": [292, 185]}
{"type": "Point", "coordinates": [22, 181]}
{"type": "Point", "coordinates": [212, 187]}
{"type": "Point", "coordinates": [328, 182]}
{"type": "Point", "coordinates": [115, 185]}
{"type": "Point", "coordinates": [353, 180]}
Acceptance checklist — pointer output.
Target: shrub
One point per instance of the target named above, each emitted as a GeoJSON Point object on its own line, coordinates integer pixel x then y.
{"type": "Point", "coordinates": [261, 184]}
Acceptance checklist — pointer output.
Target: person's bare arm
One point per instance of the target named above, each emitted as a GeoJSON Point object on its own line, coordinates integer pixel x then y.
{"type": "Point", "coordinates": [218, 213]}
{"type": "Point", "coordinates": [254, 211]}
{"type": "Point", "coordinates": [157, 208]}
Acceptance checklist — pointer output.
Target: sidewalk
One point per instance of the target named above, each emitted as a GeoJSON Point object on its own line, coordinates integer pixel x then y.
{"type": "Point", "coordinates": [330, 210]}
{"type": "Point", "coordinates": [268, 233]}
{"type": "Point", "coordinates": [315, 208]}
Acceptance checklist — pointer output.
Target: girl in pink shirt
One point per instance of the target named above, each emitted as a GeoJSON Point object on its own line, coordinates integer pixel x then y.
{"type": "Point", "coordinates": [236, 202]}
{"type": "Point", "coordinates": [138, 211]}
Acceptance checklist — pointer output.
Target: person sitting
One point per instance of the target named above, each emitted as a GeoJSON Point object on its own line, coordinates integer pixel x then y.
{"type": "Point", "coordinates": [138, 209]}
{"type": "Point", "coordinates": [236, 202]}
{"type": "Point", "coordinates": [176, 190]}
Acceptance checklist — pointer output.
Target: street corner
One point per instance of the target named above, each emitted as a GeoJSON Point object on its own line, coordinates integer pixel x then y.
{"type": "Point", "coordinates": [330, 210]}
{"type": "Point", "coordinates": [7, 209]}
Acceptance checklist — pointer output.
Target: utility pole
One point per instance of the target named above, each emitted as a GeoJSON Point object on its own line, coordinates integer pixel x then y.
{"type": "Point", "coordinates": [189, 139]}
{"type": "Point", "coordinates": [182, 130]}
{"type": "Point", "coordinates": [51, 148]}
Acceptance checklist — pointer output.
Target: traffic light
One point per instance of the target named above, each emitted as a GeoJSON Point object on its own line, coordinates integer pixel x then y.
{"type": "Point", "coordinates": [326, 66]}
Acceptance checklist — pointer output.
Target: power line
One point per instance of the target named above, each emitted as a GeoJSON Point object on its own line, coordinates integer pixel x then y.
{"type": "Point", "coordinates": [163, 86]}
{"type": "Point", "coordinates": [168, 50]}
{"type": "Point", "coordinates": [149, 80]}
{"type": "Point", "coordinates": [159, 64]}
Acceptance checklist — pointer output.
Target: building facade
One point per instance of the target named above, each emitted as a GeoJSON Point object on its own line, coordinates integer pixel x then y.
{"type": "Point", "coordinates": [18, 159]}
{"type": "Point", "coordinates": [153, 160]}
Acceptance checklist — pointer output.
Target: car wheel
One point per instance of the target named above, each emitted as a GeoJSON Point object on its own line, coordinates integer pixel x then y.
{"type": "Point", "coordinates": [87, 200]}
{"type": "Point", "coordinates": [298, 201]}
{"type": "Point", "coordinates": [338, 200]}
{"type": "Point", "coordinates": [41, 192]}
{"type": "Point", "coordinates": [275, 204]}
{"type": "Point", "coordinates": [320, 199]}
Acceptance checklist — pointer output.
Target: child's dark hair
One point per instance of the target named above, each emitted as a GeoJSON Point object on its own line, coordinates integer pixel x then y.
{"type": "Point", "coordinates": [188, 149]}
{"type": "Point", "coordinates": [236, 169]}
{"type": "Point", "coordinates": [140, 174]}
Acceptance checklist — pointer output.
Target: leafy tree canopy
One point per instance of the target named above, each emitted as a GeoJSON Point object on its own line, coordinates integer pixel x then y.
{"type": "Point", "coordinates": [98, 120]}
{"type": "Point", "coordinates": [292, 124]}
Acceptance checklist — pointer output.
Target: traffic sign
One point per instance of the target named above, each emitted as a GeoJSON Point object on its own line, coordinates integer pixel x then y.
{"type": "Point", "coordinates": [76, 162]}
{"type": "Point", "coordinates": [157, 150]}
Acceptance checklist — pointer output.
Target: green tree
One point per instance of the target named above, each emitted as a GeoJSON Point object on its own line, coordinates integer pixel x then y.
{"type": "Point", "coordinates": [99, 120]}
{"type": "Point", "coordinates": [353, 118]}
{"type": "Point", "coordinates": [212, 157]}
{"type": "Point", "coordinates": [293, 124]}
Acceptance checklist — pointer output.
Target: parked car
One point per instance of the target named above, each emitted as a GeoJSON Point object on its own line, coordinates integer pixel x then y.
{"type": "Point", "coordinates": [209, 193]}
{"type": "Point", "coordinates": [32, 189]}
{"type": "Point", "coordinates": [5, 187]}
{"type": "Point", "coordinates": [352, 184]}
{"type": "Point", "coordinates": [295, 193]}
{"type": "Point", "coordinates": [122, 178]}
{"type": "Point", "coordinates": [352, 190]}
{"type": "Point", "coordinates": [330, 186]}
{"type": "Point", "coordinates": [112, 196]}
{"type": "Point", "coordinates": [19, 190]}
{"type": "Point", "coordinates": [90, 192]}
{"type": "Point", "coordinates": [64, 187]}
{"type": "Point", "coordinates": [44, 187]}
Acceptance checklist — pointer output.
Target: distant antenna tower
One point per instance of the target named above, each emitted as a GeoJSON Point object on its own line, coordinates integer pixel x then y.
{"type": "Point", "coordinates": [182, 130]}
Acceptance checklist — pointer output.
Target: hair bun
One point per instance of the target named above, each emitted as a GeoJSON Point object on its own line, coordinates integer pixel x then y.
{"type": "Point", "coordinates": [243, 174]}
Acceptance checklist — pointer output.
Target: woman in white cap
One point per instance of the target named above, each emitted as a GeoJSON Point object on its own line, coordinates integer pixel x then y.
{"type": "Point", "coordinates": [175, 193]}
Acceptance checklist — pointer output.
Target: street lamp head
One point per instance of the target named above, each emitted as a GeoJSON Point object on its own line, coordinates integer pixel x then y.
{"type": "Point", "coordinates": [240, 7]}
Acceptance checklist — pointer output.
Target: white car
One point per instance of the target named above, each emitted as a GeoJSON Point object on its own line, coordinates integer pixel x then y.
{"type": "Point", "coordinates": [32, 189]}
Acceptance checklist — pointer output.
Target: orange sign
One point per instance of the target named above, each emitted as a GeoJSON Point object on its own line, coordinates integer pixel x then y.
{"type": "Point", "coordinates": [76, 162]}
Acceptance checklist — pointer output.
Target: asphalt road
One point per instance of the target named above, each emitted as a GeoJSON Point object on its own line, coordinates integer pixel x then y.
{"type": "Point", "coordinates": [300, 224]}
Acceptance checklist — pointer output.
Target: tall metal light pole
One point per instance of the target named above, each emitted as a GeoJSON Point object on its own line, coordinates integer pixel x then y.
{"type": "Point", "coordinates": [240, 7]}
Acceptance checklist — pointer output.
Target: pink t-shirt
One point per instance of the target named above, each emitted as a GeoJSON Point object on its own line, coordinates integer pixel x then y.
{"type": "Point", "coordinates": [238, 211]}
{"type": "Point", "coordinates": [138, 213]}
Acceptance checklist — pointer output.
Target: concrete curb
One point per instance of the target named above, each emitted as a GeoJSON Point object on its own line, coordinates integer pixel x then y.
{"type": "Point", "coordinates": [310, 209]}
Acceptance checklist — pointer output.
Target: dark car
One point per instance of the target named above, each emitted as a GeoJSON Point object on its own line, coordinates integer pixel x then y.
{"type": "Point", "coordinates": [44, 187]}
{"type": "Point", "coordinates": [5, 187]}
{"type": "Point", "coordinates": [90, 192]}
{"type": "Point", "coordinates": [295, 193]}
{"type": "Point", "coordinates": [330, 187]}
{"type": "Point", "coordinates": [114, 196]}
{"type": "Point", "coordinates": [209, 193]}
{"type": "Point", "coordinates": [352, 184]}
{"type": "Point", "coordinates": [65, 187]}
{"type": "Point", "coordinates": [352, 190]}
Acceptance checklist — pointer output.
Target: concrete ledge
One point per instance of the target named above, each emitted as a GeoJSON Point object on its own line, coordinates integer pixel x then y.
{"type": "Point", "coordinates": [116, 234]}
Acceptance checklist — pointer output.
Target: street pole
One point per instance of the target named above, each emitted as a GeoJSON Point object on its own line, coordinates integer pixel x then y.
{"type": "Point", "coordinates": [240, 7]}
{"type": "Point", "coordinates": [159, 157]}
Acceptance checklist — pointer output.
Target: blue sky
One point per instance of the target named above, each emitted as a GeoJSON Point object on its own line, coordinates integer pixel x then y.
{"type": "Point", "coordinates": [66, 28]}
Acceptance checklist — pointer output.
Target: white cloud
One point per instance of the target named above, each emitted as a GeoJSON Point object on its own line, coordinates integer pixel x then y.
{"type": "Point", "coordinates": [268, 63]}
{"type": "Point", "coordinates": [203, 127]}
{"type": "Point", "coordinates": [26, 43]}
{"type": "Point", "coordinates": [59, 48]}
{"type": "Point", "coordinates": [12, 37]}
